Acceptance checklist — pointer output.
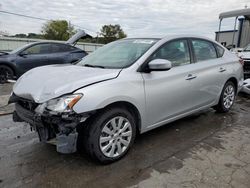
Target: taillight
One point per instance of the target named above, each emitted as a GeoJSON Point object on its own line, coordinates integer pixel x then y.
{"type": "Point", "coordinates": [241, 61]}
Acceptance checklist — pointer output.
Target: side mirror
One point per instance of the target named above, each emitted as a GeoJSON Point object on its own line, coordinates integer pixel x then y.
{"type": "Point", "coordinates": [159, 65]}
{"type": "Point", "coordinates": [23, 54]}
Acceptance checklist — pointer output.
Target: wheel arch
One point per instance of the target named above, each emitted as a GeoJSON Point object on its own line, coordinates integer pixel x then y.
{"type": "Point", "coordinates": [235, 82]}
{"type": "Point", "coordinates": [131, 108]}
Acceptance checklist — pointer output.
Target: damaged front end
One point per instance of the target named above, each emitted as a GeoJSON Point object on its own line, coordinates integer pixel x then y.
{"type": "Point", "coordinates": [55, 121]}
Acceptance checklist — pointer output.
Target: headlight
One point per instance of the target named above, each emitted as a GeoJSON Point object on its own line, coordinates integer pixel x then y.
{"type": "Point", "coordinates": [63, 104]}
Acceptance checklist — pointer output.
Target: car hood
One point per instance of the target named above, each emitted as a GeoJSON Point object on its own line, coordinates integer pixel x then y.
{"type": "Point", "coordinates": [48, 82]}
{"type": "Point", "coordinates": [244, 55]}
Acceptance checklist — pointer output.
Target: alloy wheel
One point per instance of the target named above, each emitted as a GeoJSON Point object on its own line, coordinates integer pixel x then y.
{"type": "Point", "coordinates": [115, 137]}
{"type": "Point", "coordinates": [228, 96]}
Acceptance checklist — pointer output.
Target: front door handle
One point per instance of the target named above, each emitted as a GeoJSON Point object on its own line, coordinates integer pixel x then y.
{"type": "Point", "coordinates": [222, 69]}
{"type": "Point", "coordinates": [190, 77]}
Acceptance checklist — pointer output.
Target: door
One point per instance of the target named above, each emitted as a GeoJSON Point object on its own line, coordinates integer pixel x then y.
{"type": "Point", "coordinates": [60, 54]}
{"type": "Point", "coordinates": [34, 56]}
{"type": "Point", "coordinates": [170, 93]}
{"type": "Point", "coordinates": [210, 72]}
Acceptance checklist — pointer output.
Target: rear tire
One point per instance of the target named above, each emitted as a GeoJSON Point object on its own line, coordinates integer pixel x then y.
{"type": "Point", "coordinates": [5, 74]}
{"type": "Point", "coordinates": [109, 136]}
{"type": "Point", "coordinates": [227, 98]}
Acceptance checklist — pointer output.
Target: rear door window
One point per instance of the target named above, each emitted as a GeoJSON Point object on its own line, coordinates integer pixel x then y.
{"type": "Point", "coordinates": [56, 48]}
{"type": "Point", "coordinates": [203, 50]}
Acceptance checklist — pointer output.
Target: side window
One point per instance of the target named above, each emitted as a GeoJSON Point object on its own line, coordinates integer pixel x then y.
{"type": "Point", "coordinates": [38, 49]}
{"type": "Point", "coordinates": [220, 50]}
{"type": "Point", "coordinates": [175, 51]}
{"type": "Point", "coordinates": [55, 48]}
{"type": "Point", "coordinates": [61, 48]}
{"type": "Point", "coordinates": [203, 50]}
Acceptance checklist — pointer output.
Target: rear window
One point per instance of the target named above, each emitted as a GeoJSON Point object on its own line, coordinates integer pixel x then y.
{"type": "Point", "coordinates": [220, 50]}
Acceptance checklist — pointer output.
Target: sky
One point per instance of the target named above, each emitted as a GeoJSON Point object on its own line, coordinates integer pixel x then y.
{"type": "Point", "coordinates": [138, 18]}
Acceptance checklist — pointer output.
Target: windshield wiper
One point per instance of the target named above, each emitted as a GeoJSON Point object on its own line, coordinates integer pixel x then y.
{"type": "Point", "coordinates": [94, 66]}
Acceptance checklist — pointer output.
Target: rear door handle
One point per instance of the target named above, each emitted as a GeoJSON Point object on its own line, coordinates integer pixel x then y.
{"type": "Point", "coordinates": [190, 77]}
{"type": "Point", "coordinates": [222, 69]}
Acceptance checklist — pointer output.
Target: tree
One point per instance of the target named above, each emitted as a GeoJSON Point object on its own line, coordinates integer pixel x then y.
{"type": "Point", "coordinates": [34, 36]}
{"type": "Point", "coordinates": [112, 32]}
{"type": "Point", "coordinates": [57, 30]}
{"type": "Point", "coordinates": [20, 35]}
{"type": "Point", "coordinates": [29, 35]}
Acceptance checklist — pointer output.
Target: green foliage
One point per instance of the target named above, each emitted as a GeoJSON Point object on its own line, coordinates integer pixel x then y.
{"type": "Point", "coordinates": [29, 35]}
{"type": "Point", "coordinates": [62, 30]}
{"type": "Point", "coordinates": [57, 30]}
{"type": "Point", "coordinates": [20, 35]}
{"type": "Point", "coordinates": [111, 33]}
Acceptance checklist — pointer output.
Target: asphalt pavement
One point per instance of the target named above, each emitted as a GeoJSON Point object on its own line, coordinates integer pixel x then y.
{"type": "Point", "coordinates": [205, 150]}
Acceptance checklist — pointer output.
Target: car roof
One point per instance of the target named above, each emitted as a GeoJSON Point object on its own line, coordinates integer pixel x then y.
{"type": "Point", "coordinates": [168, 37]}
{"type": "Point", "coordinates": [172, 37]}
{"type": "Point", "coordinates": [47, 42]}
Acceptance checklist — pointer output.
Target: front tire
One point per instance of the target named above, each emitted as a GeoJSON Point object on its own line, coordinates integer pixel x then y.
{"type": "Point", "coordinates": [110, 135]}
{"type": "Point", "coordinates": [227, 98]}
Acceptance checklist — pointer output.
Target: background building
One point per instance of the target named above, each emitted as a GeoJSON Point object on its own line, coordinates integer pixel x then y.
{"type": "Point", "coordinates": [238, 37]}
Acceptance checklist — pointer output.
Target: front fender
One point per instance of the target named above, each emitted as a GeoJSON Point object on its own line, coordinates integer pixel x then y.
{"type": "Point", "coordinates": [100, 95]}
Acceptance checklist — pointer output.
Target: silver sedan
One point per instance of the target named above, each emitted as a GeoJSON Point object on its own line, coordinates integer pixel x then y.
{"type": "Point", "coordinates": [126, 88]}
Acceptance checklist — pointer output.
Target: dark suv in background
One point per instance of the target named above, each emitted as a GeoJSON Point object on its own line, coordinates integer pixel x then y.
{"type": "Point", "coordinates": [17, 62]}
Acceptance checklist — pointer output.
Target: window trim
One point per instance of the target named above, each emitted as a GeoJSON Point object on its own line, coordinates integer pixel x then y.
{"type": "Point", "coordinates": [144, 66]}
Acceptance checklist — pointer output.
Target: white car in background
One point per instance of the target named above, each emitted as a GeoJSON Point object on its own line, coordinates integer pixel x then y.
{"type": "Point", "coordinates": [245, 55]}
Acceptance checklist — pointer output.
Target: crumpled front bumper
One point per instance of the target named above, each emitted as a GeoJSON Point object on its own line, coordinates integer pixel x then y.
{"type": "Point", "coordinates": [57, 129]}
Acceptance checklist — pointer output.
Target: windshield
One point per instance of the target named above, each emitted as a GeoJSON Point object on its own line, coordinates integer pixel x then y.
{"type": "Point", "coordinates": [247, 48]}
{"type": "Point", "coordinates": [18, 49]}
{"type": "Point", "coordinates": [119, 54]}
